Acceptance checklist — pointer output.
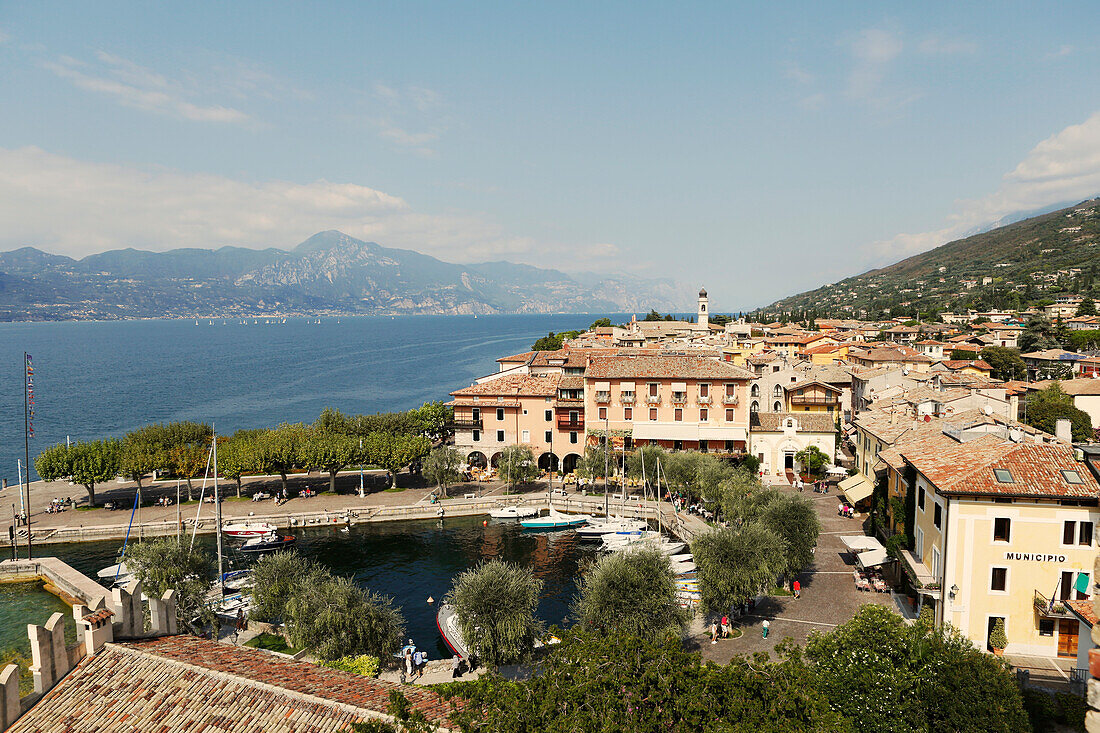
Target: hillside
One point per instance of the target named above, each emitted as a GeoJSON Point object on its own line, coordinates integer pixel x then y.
{"type": "Point", "coordinates": [328, 274]}
{"type": "Point", "coordinates": [1007, 267]}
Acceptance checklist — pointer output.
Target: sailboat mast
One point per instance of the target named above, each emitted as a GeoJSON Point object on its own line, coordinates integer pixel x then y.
{"type": "Point", "coordinates": [218, 516]}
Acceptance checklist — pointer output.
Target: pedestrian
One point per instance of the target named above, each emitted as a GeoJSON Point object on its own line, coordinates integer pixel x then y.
{"type": "Point", "coordinates": [797, 588]}
{"type": "Point", "coordinates": [765, 629]}
{"type": "Point", "coordinates": [840, 509]}
{"type": "Point", "coordinates": [240, 625]}
{"type": "Point", "coordinates": [725, 627]}
{"type": "Point", "coordinates": [456, 667]}
{"type": "Point", "coordinates": [714, 632]}
{"type": "Point", "coordinates": [418, 663]}
{"type": "Point", "coordinates": [408, 664]}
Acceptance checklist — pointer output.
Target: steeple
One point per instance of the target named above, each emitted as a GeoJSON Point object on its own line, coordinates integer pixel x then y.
{"type": "Point", "coordinates": [704, 308]}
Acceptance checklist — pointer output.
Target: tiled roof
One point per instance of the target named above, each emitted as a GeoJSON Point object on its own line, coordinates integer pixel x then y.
{"type": "Point", "coordinates": [764, 358]}
{"type": "Point", "coordinates": [186, 683]}
{"type": "Point", "coordinates": [518, 358]}
{"type": "Point", "coordinates": [954, 364]}
{"type": "Point", "coordinates": [808, 422]}
{"type": "Point", "coordinates": [1051, 355]}
{"type": "Point", "coordinates": [812, 380]}
{"type": "Point", "coordinates": [890, 353]}
{"type": "Point", "coordinates": [663, 367]}
{"type": "Point", "coordinates": [1084, 610]}
{"type": "Point", "coordinates": [527, 385]}
{"type": "Point", "coordinates": [1075, 387]}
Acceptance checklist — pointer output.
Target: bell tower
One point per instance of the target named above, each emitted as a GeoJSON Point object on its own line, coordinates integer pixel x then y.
{"type": "Point", "coordinates": [704, 315]}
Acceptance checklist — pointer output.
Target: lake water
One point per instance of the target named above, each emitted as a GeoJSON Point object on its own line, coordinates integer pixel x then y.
{"type": "Point", "coordinates": [97, 379]}
{"type": "Point", "coordinates": [408, 561]}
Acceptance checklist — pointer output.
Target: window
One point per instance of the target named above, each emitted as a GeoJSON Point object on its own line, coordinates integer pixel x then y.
{"type": "Point", "coordinates": [574, 417]}
{"type": "Point", "coordinates": [703, 415]}
{"type": "Point", "coordinates": [500, 436]}
{"type": "Point", "coordinates": [937, 515]}
{"type": "Point", "coordinates": [1004, 475]}
{"type": "Point", "coordinates": [777, 407]}
{"type": "Point", "coordinates": [778, 391]}
{"type": "Point", "coordinates": [1002, 529]}
{"type": "Point", "coordinates": [1084, 537]}
{"type": "Point", "coordinates": [653, 413]}
{"type": "Point", "coordinates": [628, 413]}
{"type": "Point", "coordinates": [477, 435]}
{"type": "Point", "coordinates": [731, 389]}
{"type": "Point", "coordinates": [920, 497]}
{"type": "Point", "coordinates": [1072, 477]}
{"type": "Point", "coordinates": [754, 407]}
{"type": "Point", "coordinates": [703, 446]}
{"type": "Point", "coordinates": [603, 413]}
{"type": "Point", "coordinates": [1046, 627]}
{"type": "Point", "coordinates": [549, 415]}
{"type": "Point", "coordinates": [475, 414]}
{"type": "Point", "coordinates": [934, 566]}
{"type": "Point", "coordinates": [729, 415]}
{"type": "Point", "coordinates": [652, 389]}
{"type": "Point", "coordinates": [1069, 532]}
{"type": "Point", "coordinates": [998, 579]}
{"type": "Point", "coordinates": [755, 391]}
{"type": "Point", "coordinates": [549, 436]}
{"type": "Point", "coordinates": [573, 437]}
{"type": "Point", "coordinates": [704, 389]}
{"type": "Point", "coordinates": [526, 436]}
{"type": "Point", "coordinates": [500, 413]}
{"type": "Point", "coordinates": [678, 415]}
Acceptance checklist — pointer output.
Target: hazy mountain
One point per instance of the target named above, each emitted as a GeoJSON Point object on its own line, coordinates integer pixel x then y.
{"type": "Point", "coordinates": [329, 273]}
{"type": "Point", "coordinates": [1004, 267]}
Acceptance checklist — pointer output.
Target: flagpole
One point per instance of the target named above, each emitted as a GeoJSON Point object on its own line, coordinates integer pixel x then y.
{"type": "Point", "coordinates": [27, 444]}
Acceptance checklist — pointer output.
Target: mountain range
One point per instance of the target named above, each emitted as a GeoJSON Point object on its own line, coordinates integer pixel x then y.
{"type": "Point", "coordinates": [1010, 266]}
{"type": "Point", "coordinates": [328, 274]}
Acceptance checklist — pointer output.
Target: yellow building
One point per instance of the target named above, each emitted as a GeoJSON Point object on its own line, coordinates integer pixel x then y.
{"type": "Point", "coordinates": [1002, 530]}
{"type": "Point", "coordinates": [813, 395]}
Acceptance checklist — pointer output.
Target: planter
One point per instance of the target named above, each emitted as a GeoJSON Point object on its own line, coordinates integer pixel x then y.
{"type": "Point", "coordinates": [998, 652]}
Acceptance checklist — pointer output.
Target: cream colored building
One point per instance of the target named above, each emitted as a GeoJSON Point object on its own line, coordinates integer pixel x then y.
{"type": "Point", "coordinates": [777, 437]}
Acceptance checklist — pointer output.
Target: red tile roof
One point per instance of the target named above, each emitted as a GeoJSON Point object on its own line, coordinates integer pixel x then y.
{"type": "Point", "coordinates": [1085, 611]}
{"type": "Point", "coordinates": [186, 683]}
{"type": "Point", "coordinates": [512, 385]}
{"type": "Point", "coordinates": [663, 367]}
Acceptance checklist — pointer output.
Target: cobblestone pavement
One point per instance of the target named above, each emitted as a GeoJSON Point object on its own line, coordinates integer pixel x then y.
{"type": "Point", "coordinates": [829, 596]}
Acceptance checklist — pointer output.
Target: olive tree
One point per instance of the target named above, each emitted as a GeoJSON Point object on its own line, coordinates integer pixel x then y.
{"type": "Point", "coordinates": [495, 603]}
{"type": "Point", "coordinates": [164, 564]}
{"type": "Point", "coordinates": [736, 565]}
{"type": "Point", "coordinates": [335, 618]}
{"type": "Point", "coordinates": [792, 518]}
{"type": "Point", "coordinates": [630, 593]}
{"type": "Point", "coordinates": [517, 465]}
{"type": "Point", "coordinates": [278, 576]}
{"type": "Point", "coordinates": [441, 466]}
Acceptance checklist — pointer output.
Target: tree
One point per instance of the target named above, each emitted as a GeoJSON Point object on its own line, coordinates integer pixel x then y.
{"type": "Point", "coordinates": [600, 323]}
{"type": "Point", "coordinates": [138, 458]}
{"type": "Point", "coordinates": [553, 341]}
{"type": "Point", "coordinates": [964, 355]}
{"type": "Point", "coordinates": [646, 457]}
{"type": "Point", "coordinates": [237, 457]}
{"type": "Point", "coordinates": [434, 418]}
{"type": "Point", "coordinates": [163, 564]}
{"type": "Point", "coordinates": [54, 463]}
{"type": "Point", "coordinates": [736, 565]}
{"type": "Point", "coordinates": [334, 617]}
{"type": "Point", "coordinates": [330, 452]}
{"type": "Point", "coordinates": [592, 464]}
{"type": "Point", "coordinates": [630, 593]}
{"type": "Point", "coordinates": [517, 465]}
{"type": "Point", "coordinates": [394, 452]}
{"type": "Point", "coordinates": [1086, 308]}
{"type": "Point", "coordinates": [813, 460]}
{"type": "Point", "coordinates": [93, 463]}
{"type": "Point", "coordinates": [1037, 335]}
{"type": "Point", "coordinates": [1007, 364]}
{"type": "Point", "coordinates": [441, 466]}
{"type": "Point", "coordinates": [333, 421]}
{"type": "Point", "coordinates": [278, 576]}
{"type": "Point", "coordinates": [281, 450]}
{"type": "Point", "coordinates": [1046, 407]}
{"type": "Point", "coordinates": [741, 497]}
{"type": "Point", "coordinates": [792, 517]}
{"type": "Point", "coordinates": [188, 461]}
{"type": "Point", "coordinates": [495, 603]}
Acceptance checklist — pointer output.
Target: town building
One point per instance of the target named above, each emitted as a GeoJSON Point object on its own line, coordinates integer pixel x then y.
{"type": "Point", "coordinates": [777, 437]}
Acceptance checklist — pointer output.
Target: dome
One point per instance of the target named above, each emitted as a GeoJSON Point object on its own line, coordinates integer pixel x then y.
{"type": "Point", "coordinates": [702, 292]}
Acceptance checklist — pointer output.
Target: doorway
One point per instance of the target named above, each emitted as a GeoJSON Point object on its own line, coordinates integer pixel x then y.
{"type": "Point", "coordinates": [1067, 637]}
{"type": "Point", "coordinates": [989, 630]}
{"type": "Point", "coordinates": [788, 461]}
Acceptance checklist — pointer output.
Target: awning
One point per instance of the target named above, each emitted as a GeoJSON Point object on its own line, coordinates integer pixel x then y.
{"type": "Point", "coordinates": [837, 471]}
{"type": "Point", "coordinates": [603, 386]}
{"type": "Point", "coordinates": [856, 488]}
{"type": "Point", "coordinates": [626, 386]}
{"type": "Point", "coordinates": [872, 558]}
{"type": "Point", "coordinates": [860, 543]}
{"type": "Point", "coordinates": [679, 387]}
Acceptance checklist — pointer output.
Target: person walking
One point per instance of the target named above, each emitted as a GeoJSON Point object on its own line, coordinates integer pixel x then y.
{"type": "Point", "coordinates": [408, 664]}
{"type": "Point", "coordinates": [456, 666]}
{"type": "Point", "coordinates": [764, 629]}
{"type": "Point", "coordinates": [797, 588]}
{"type": "Point", "coordinates": [725, 627]}
{"type": "Point", "coordinates": [714, 632]}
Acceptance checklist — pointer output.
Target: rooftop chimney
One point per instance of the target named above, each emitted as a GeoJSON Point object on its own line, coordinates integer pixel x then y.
{"type": "Point", "coordinates": [1062, 430]}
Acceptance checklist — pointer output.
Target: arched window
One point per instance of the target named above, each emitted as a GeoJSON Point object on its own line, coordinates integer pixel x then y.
{"type": "Point", "coordinates": [778, 391]}
{"type": "Point", "coordinates": [777, 407]}
{"type": "Point", "coordinates": [754, 407]}
{"type": "Point", "coordinates": [755, 390]}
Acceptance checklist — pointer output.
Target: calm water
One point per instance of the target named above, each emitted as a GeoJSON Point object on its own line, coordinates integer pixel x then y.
{"type": "Point", "coordinates": [100, 379]}
{"type": "Point", "coordinates": [28, 603]}
{"type": "Point", "coordinates": [408, 561]}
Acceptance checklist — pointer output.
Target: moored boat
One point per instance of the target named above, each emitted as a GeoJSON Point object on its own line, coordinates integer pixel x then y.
{"type": "Point", "coordinates": [599, 530]}
{"type": "Point", "coordinates": [248, 529]}
{"type": "Point", "coordinates": [555, 520]}
{"type": "Point", "coordinates": [268, 544]}
{"type": "Point", "coordinates": [514, 512]}
{"type": "Point", "coordinates": [447, 622]}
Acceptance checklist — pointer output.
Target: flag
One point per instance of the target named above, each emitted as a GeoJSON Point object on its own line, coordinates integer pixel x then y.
{"type": "Point", "coordinates": [1081, 584]}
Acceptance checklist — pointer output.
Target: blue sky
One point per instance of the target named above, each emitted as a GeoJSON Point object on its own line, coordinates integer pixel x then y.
{"type": "Point", "coordinates": [759, 149]}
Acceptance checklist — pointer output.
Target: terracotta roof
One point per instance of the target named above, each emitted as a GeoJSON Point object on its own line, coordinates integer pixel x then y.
{"type": "Point", "coordinates": [1052, 355]}
{"type": "Point", "coordinates": [808, 422]}
{"type": "Point", "coordinates": [663, 367]}
{"type": "Point", "coordinates": [1084, 610]}
{"type": "Point", "coordinates": [812, 380]}
{"type": "Point", "coordinates": [1074, 387]}
{"type": "Point", "coordinates": [890, 353]}
{"type": "Point", "coordinates": [571, 381]}
{"type": "Point", "coordinates": [99, 616]}
{"type": "Point", "coordinates": [186, 683]}
{"type": "Point", "coordinates": [763, 358]}
{"type": "Point", "coordinates": [825, 349]}
{"type": "Point", "coordinates": [954, 364]}
{"type": "Point", "coordinates": [527, 385]}
{"type": "Point", "coordinates": [518, 358]}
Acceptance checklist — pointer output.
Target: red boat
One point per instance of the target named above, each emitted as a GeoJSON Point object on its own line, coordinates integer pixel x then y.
{"type": "Point", "coordinates": [248, 529]}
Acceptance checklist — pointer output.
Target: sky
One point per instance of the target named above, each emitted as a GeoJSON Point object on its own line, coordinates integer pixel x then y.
{"type": "Point", "coordinates": [759, 149]}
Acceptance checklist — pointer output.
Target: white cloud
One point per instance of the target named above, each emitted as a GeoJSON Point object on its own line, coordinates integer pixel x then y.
{"type": "Point", "coordinates": [1064, 50]}
{"type": "Point", "coordinates": [139, 87]}
{"type": "Point", "coordinates": [75, 207]}
{"type": "Point", "coordinates": [410, 117]}
{"type": "Point", "coordinates": [873, 51]}
{"type": "Point", "coordinates": [937, 46]}
{"type": "Point", "coordinates": [1063, 168]}
{"type": "Point", "coordinates": [797, 74]}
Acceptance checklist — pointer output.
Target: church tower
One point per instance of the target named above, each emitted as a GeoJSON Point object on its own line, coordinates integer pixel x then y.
{"type": "Point", "coordinates": [704, 316]}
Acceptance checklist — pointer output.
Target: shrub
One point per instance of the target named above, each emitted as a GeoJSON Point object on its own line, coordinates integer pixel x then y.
{"type": "Point", "coordinates": [997, 638]}
{"type": "Point", "coordinates": [364, 664]}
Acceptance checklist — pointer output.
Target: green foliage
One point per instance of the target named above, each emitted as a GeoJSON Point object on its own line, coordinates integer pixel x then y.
{"type": "Point", "coordinates": [889, 676]}
{"type": "Point", "coordinates": [647, 457]}
{"type": "Point", "coordinates": [1086, 340]}
{"type": "Point", "coordinates": [281, 450]}
{"type": "Point", "coordinates": [553, 341]}
{"type": "Point", "coordinates": [271, 642]}
{"type": "Point", "coordinates": [495, 603]}
{"type": "Point", "coordinates": [600, 323]}
{"type": "Point", "coordinates": [237, 457]}
{"type": "Point", "coordinates": [792, 518]}
{"type": "Point", "coordinates": [86, 463]}
{"type": "Point", "coordinates": [647, 684]}
{"type": "Point", "coordinates": [630, 593]}
{"type": "Point", "coordinates": [164, 564]}
{"type": "Point", "coordinates": [394, 451]}
{"type": "Point", "coordinates": [813, 460]}
{"type": "Point", "coordinates": [188, 461]}
{"type": "Point", "coordinates": [137, 459]}
{"type": "Point", "coordinates": [441, 466]}
{"type": "Point", "coordinates": [276, 577]}
{"type": "Point", "coordinates": [697, 474]}
{"type": "Point", "coordinates": [964, 355]}
{"type": "Point", "coordinates": [741, 497]}
{"type": "Point", "coordinates": [366, 665]}
{"type": "Point", "coordinates": [333, 617]}
{"type": "Point", "coordinates": [517, 465]}
{"type": "Point", "coordinates": [1086, 308]}
{"type": "Point", "coordinates": [53, 463]}
{"type": "Point", "coordinates": [998, 639]}
{"type": "Point", "coordinates": [591, 465]}
{"type": "Point", "coordinates": [1007, 364]}
{"type": "Point", "coordinates": [330, 452]}
{"type": "Point", "coordinates": [433, 418]}
{"type": "Point", "coordinates": [736, 565]}
{"type": "Point", "coordinates": [1045, 407]}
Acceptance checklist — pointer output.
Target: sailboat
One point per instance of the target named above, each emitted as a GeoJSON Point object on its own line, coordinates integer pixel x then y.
{"type": "Point", "coordinates": [554, 520]}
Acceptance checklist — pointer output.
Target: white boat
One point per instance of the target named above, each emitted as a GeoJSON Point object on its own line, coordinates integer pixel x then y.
{"type": "Point", "coordinates": [447, 622]}
{"type": "Point", "coordinates": [679, 568]}
{"type": "Point", "coordinates": [229, 605]}
{"type": "Point", "coordinates": [619, 543]}
{"type": "Point", "coordinates": [598, 530]}
{"type": "Point", "coordinates": [268, 543]}
{"type": "Point", "coordinates": [514, 512]}
{"type": "Point", "coordinates": [118, 574]}
{"type": "Point", "coordinates": [683, 557]}
{"type": "Point", "coordinates": [248, 529]}
{"type": "Point", "coordinates": [555, 520]}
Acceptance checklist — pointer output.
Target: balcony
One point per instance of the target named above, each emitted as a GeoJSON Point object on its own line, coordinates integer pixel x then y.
{"type": "Point", "coordinates": [679, 398]}
{"type": "Point", "coordinates": [627, 398]}
{"type": "Point", "coordinates": [464, 424]}
{"type": "Point", "coordinates": [603, 397]}
{"type": "Point", "coordinates": [564, 423]}
{"type": "Point", "coordinates": [813, 400]}
{"type": "Point", "coordinates": [730, 399]}
{"type": "Point", "coordinates": [1051, 608]}
{"type": "Point", "coordinates": [703, 399]}
{"type": "Point", "coordinates": [653, 399]}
